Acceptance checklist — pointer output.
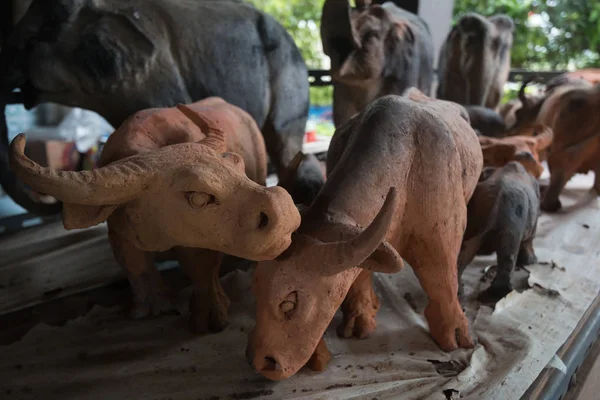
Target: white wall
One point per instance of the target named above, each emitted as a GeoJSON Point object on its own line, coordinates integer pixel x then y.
{"type": "Point", "coordinates": [438, 15]}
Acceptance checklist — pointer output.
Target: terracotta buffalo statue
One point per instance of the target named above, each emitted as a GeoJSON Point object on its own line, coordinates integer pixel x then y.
{"type": "Point", "coordinates": [168, 181]}
{"type": "Point", "coordinates": [572, 113]}
{"type": "Point", "coordinates": [486, 121]}
{"type": "Point", "coordinates": [502, 218]}
{"type": "Point", "coordinates": [399, 176]}
{"type": "Point", "coordinates": [474, 61]}
{"type": "Point", "coordinates": [375, 50]}
{"type": "Point", "coordinates": [117, 58]}
{"type": "Point", "coordinates": [528, 150]}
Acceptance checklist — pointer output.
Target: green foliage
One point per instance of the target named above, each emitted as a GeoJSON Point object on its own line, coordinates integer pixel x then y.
{"type": "Point", "coordinates": [302, 19]}
{"type": "Point", "coordinates": [560, 35]}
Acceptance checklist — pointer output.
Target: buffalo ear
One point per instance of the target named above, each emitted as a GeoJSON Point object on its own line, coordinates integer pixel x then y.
{"type": "Point", "coordinates": [77, 216]}
{"type": "Point", "coordinates": [385, 259]}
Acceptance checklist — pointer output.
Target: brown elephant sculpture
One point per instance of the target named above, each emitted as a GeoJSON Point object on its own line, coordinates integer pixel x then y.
{"type": "Point", "coordinates": [375, 50]}
{"type": "Point", "coordinates": [475, 60]}
{"type": "Point", "coordinates": [166, 182]}
{"type": "Point", "coordinates": [399, 176]}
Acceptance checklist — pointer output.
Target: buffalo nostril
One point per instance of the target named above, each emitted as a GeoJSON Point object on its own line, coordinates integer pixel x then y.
{"type": "Point", "coordinates": [271, 364]}
{"type": "Point", "coordinates": [263, 221]}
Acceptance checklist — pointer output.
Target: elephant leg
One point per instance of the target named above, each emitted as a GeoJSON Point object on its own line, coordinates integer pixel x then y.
{"type": "Point", "coordinates": [151, 295]}
{"type": "Point", "coordinates": [209, 303]}
{"type": "Point", "coordinates": [526, 254]}
{"type": "Point", "coordinates": [467, 253]}
{"type": "Point", "coordinates": [508, 245]}
{"type": "Point", "coordinates": [359, 308]}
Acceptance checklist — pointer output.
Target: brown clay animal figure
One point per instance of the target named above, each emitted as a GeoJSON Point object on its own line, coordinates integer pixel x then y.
{"type": "Point", "coordinates": [528, 150]}
{"type": "Point", "coordinates": [486, 121]}
{"type": "Point", "coordinates": [474, 61]}
{"type": "Point", "coordinates": [399, 176]}
{"type": "Point", "coordinates": [166, 182]}
{"type": "Point", "coordinates": [375, 50]}
{"type": "Point", "coordinates": [117, 58]}
{"type": "Point", "coordinates": [303, 188]}
{"type": "Point", "coordinates": [590, 75]}
{"type": "Point", "coordinates": [502, 219]}
{"type": "Point", "coordinates": [572, 112]}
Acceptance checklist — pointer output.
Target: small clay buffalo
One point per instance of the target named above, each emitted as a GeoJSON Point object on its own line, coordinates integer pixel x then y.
{"type": "Point", "coordinates": [164, 183]}
{"type": "Point", "coordinates": [501, 218]}
{"type": "Point", "coordinates": [524, 149]}
{"type": "Point", "coordinates": [486, 121]}
{"type": "Point", "coordinates": [475, 60]}
{"type": "Point", "coordinates": [399, 176]}
{"type": "Point", "coordinates": [375, 50]}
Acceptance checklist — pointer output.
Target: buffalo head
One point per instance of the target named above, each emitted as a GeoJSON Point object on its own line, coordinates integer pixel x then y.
{"type": "Point", "coordinates": [188, 194]}
{"type": "Point", "coordinates": [498, 152]}
{"type": "Point", "coordinates": [299, 292]}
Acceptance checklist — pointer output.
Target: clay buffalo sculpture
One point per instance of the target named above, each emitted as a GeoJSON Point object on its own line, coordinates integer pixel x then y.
{"type": "Point", "coordinates": [399, 176]}
{"type": "Point", "coordinates": [375, 50]}
{"type": "Point", "coordinates": [486, 121]}
{"type": "Point", "coordinates": [502, 219]}
{"type": "Point", "coordinates": [572, 112]}
{"type": "Point", "coordinates": [528, 150]}
{"type": "Point", "coordinates": [166, 182]}
{"type": "Point", "coordinates": [474, 61]}
{"type": "Point", "coordinates": [117, 58]}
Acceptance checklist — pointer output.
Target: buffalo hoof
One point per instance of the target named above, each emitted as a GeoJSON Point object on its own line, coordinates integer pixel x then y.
{"type": "Point", "coordinates": [157, 305]}
{"type": "Point", "coordinates": [448, 326]}
{"type": "Point", "coordinates": [209, 318]}
{"type": "Point", "coordinates": [320, 358]}
{"type": "Point", "coordinates": [359, 326]}
{"type": "Point", "coordinates": [551, 205]}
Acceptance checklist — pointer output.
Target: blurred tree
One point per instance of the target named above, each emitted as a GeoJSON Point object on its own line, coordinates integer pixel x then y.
{"type": "Point", "coordinates": [549, 34]}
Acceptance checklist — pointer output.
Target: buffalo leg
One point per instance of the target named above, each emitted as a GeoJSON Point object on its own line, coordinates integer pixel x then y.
{"type": "Point", "coordinates": [506, 253]}
{"type": "Point", "coordinates": [434, 261]}
{"type": "Point", "coordinates": [467, 253]}
{"type": "Point", "coordinates": [151, 296]}
{"type": "Point", "coordinates": [596, 186]}
{"type": "Point", "coordinates": [560, 173]}
{"type": "Point", "coordinates": [359, 308]}
{"type": "Point", "coordinates": [320, 358]}
{"type": "Point", "coordinates": [209, 303]}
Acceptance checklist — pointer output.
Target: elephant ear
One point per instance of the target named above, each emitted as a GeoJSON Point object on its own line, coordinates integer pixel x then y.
{"type": "Point", "coordinates": [78, 216]}
{"type": "Point", "coordinates": [114, 48]}
{"type": "Point", "coordinates": [497, 154]}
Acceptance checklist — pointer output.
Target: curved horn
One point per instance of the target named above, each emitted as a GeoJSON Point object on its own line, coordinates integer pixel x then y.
{"type": "Point", "coordinates": [336, 27]}
{"type": "Point", "coordinates": [215, 137]}
{"type": "Point", "coordinates": [288, 175]}
{"type": "Point", "coordinates": [544, 135]}
{"type": "Point", "coordinates": [116, 183]}
{"type": "Point", "coordinates": [339, 256]}
{"type": "Point", "coordinates": [524, 100]}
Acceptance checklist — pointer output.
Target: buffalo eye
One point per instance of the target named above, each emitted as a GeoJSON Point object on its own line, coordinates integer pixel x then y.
{"type": "Point", "coordinates": [288, 305]}
{"type": "Point", "coordinates": [199, 199]}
